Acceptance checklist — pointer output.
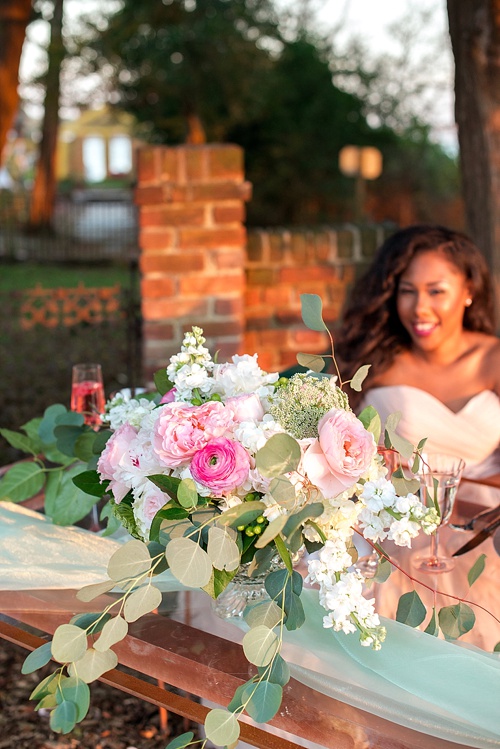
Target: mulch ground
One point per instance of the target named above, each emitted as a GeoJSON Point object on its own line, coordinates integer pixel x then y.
{"type": "Point", "coordinates": [115, 720]}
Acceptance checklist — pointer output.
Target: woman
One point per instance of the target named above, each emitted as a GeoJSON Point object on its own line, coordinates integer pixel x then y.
{"type": "Point", "coordinates": [422, 316]}
{"type": "Point", "coordinates": [428, 305]}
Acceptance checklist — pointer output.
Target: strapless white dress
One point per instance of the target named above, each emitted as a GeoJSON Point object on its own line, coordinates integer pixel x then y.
{"type": "Point", "coordinates": [473, 433]}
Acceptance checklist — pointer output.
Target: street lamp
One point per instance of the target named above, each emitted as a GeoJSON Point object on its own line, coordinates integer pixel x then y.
{"type": "Point", "coordinates": [362, 163]}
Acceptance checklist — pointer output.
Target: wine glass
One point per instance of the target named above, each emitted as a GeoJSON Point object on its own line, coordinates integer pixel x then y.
{"type": "Point", "coordinates": [439, 476]}
{"type": "Point", "coordinates": [87, 393]}
{"type": "Point", "coordinates": [368, 563]}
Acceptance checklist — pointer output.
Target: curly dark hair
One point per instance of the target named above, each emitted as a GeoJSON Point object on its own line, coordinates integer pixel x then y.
{"type": "Point", "coordinates": [371, 332]}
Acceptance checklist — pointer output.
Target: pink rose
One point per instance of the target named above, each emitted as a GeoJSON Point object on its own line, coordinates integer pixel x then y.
{"type": "Point", "coordinates": [246, 408]}
{"type": "Point", "coordinates": [221, 465]}
{"type": "Point", "coordinates": [181, 431]}
{"type": "Point", "coordinates": [154, 499]}
{"type": "Point", "coordinates": [169, 396]}
{"type": "Point", "coordinates": [342, 453]}
{"type": "Point", "coordinates": [112, 458]}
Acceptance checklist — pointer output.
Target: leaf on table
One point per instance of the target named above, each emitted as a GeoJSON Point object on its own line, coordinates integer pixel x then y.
{"type": "Point", "coordinates": [69, 643]}
{"type": "Point", "coordinates": [93, 664]}
{"type": "Point", "coordinates": [221, 727]}
{"type": "Point", "coordinates": [267, 613]}
{"type": "Point", "coordinates": [129, 561]}
{"type": "Point", "coordinates": [260, 645]}
{"type": "Point", "coordinates": [278, 671]}
{"type": "Point", "coordinates": [21, 482]}
{"type": "Point", "coordinates": [188, 562]}
{"type": "Point", "coordinates": [222, 549]}
{"type": "Point", "coordinates": [114, 631]}
{"type": "Point", "coordinates": [142, 601]}
{"type": "Point", "coordinates": [262, 700]}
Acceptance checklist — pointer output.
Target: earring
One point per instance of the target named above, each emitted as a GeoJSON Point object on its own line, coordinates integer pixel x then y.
{"type": "Point", "coordinates": [468, 302]}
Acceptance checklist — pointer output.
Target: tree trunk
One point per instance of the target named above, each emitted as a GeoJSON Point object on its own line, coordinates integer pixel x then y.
{"type": "Point", "coordinates": [475, 36]}
{"type": "Point", "coordinates": [44, 186]}
{"type": "Point", "coordinates": [14, 17]}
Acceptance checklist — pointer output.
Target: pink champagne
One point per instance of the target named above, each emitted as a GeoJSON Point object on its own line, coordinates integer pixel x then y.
{"type": "Point", "coordinates": [87, 398]}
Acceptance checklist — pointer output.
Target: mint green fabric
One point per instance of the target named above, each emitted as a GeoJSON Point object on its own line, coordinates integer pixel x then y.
{"type": "Point", "coordinates": [418, 681]}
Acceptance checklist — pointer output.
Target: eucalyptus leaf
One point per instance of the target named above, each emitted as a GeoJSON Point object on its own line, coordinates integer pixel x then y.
{"type": "Point", "coordinates": [393, 420]}
{"type": "Point", "coordinates": [262, 701]}
{"type": "Point", "coordinates": [272, 530]}
{"type": "Point", "coordinates": [46, 428]}
{"type": "Point", "coordinates": [113, 631]}
{"type": "Point", "coordinates": [47, 702]}
{"type": "Point", "coordinates": [236, 700]}
{"type": "Point", "coordinates": [129, 561]}
{"type": "Point", "coordinates": [142, 601]}
{"type": "Point", "coordinates": [89, 592]}
{"type": "Point", "coordinates": [267, 613]}
{"type": "Point", "coordinates": [221, 727]}
{"type": "Point", "coordinates": [22, 481]}
{"type": "Point", "coordinates": [496, 649]}
{"type": "Point", "coordinates": [69, 643]}
{"type": "Point", "coordinates": [63, 717]}
{"type": "Point", "coordinates": [91, 622]}
{"type": "Point", "coordinates": [283, 491]}
{"type": "Point", "coordinates": [73, 689]}
{"type": "Point", "coordinates": [308, 512]}
{"type": "Point", "coordinates": [38, 658]}
{"type": "Point", "coordinates": [261, 561]}
{"type": "Point", "coordinates": [405, 486]}
{"type": "Point", "coordinates": [47, 686]}
{"type": "Point", "coordinates": [370, 419]}
{"type": "Point", "coordinates": [433, 626]}
{"type": "Point", "coordinates": [295, 615]}
{"type": "Point", "coordinates": [222, 550]}
{"type": "Point", "coordinates": [219, 580]}
{"type": "Point", "coordinates": [312, 312]}
{"type": "Point", "coordinates": [93, 664]}
{"type": "Point", "coordinates": [260, 645]}
{"type": "Point", "coordinates": [456, 620]}
{"type": "Point", "coordinates": [311, 361]}
{"type": "Point", "coordinates": [242, 514]}
{"type": "Point", "coordinates": [384, 569]}
{"type": "Point", "coordinates": [277, 671]}
{"type": "Point", "coordinates": [476, 569]}
{"type": "Point", "coordinates": [281, 454]}
{"type": "Point", "coordinates": [181, 741]}
{"type": "Point", "coordinates": [161, 381]}
{"type": "Point", "coordinates": [187, 496]}
{"type": "Point", "coordinates": [359, 377]}
{"type": "Point", "coordinates": [401, 444]}
{"type": "Point", "coordinates": [188, 562]}
{"type": "Point", "coordinates": [411, 610]}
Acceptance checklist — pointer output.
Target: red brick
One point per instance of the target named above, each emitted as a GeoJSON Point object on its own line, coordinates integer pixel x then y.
{"type": "Point", "coordinates": [229, 258]}
{"type": "Point", "coordinates": [229, 307]}
{"type": "Point", "coordinates": [288, 317]}
{"type": "Point", "coordinates": [267, 360]}
{"type": "Point", "coordinates": [261, 276]}
{"type": "Point", "coordinates": [277, 295]}
{"type": "Point", "coordinates": [174, 263]}
{"type": "Point", "coordinates": [156, 239]}
{"type": "Point", "coordinates": [232, 328]}
{"type": "Point", "coordinates": [229, 214]}
{"type": "Point", "coordinates": [253, 297]}
{"type": "Point", "coordinates": [271, 338]}
{"type": "Point", "coordinates": [196, 162]}
{"type": "Point", "coordinates": [210, 285]}
{"type": "Point", "coordinates": [255, 250]}
{"type": "Point", "coordinates": [310, 338]}
{"type": "Point", "coordinates": [312, 273]}
{"type": "Point", "coordinates": [155, 309]}
{"type": "Point", "coordinates": [211, 238]}
{"type": "Point", "coordinates": [149, 195]}
{"type": "Point", "coordinates": [170, 165]}
{"type": "Point", "coordinates": [149, 164]}
{"type": "Point", "coordinates": [172, 215]}
{"type": "Point", "coordinates": [225, 161]}
{"type": "Point", "coordinates": [221, 191]}
{"type": "Point", "coordinates": [258, 322]}
{"type": "Point", "coordinates": [157, 288]}
{"type": "Point", "coordinates": [157, 331]}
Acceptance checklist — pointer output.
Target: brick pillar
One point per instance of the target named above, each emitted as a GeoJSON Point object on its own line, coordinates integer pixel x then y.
{"type": "Point", "coordinates": [192, 248]}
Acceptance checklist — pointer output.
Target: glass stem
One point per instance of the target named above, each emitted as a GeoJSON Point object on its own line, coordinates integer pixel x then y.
{"type": "Point", "coordinates": [434, 546]}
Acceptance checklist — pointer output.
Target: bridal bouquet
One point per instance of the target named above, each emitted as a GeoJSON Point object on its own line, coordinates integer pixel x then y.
{"type": "Point", "coordinates": [229, 465]}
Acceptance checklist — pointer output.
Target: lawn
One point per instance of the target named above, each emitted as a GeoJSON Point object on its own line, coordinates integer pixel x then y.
{"type": "Point", "coordinates": [18, 276]}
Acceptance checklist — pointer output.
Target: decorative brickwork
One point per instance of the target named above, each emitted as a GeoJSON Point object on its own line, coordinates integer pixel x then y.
{"type": "Point", "coordinates": [54, 307]}
{"type": "Point", "coordinates": [192, 241]}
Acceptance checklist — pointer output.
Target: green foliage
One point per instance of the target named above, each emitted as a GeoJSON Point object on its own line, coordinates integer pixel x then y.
{"type": "Point", "coordinates": [411, 610]}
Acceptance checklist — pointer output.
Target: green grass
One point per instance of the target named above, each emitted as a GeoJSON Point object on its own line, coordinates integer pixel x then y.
{"type": "Point", "coordinates": [14, 277]}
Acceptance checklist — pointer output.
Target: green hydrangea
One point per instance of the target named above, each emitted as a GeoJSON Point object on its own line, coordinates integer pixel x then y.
{"type": "Point", "coordinates": [303, 400]}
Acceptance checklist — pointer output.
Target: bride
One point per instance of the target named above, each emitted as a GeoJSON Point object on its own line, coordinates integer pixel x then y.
{"type": "Point", "coordinates": [423, 317]}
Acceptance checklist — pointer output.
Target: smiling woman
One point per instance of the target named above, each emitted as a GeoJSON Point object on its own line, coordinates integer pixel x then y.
{"type": "Point", "coordinates": [428, 304]}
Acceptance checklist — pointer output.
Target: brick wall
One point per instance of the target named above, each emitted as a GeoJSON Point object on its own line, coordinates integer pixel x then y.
{"type": "Point", "coordinates": [199, 269]}
{"type": "Point", "coordinates": [192, 242]}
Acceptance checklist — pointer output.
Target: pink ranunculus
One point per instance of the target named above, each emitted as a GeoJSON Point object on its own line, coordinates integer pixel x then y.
{"type": "Point", "coordinates": [112, 458]}
{"type": "Point", "coordinates": [222, 465]}
{"type": "Point", "coordinates": [169, 396]}
{"type": "Point", "coordinates": [342, 453]}
{"type": "Point", "coordinates": [246, 408]}
{"type": "Point", "coordinates": [181, 431]}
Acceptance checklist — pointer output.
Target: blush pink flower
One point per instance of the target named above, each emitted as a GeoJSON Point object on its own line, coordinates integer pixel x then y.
{"type": "Point", "coordinates": [246, 408]}
{"type": "Point", "coordinates": [181, 431]}
{"type": "Point", "coordinates": [341, 454]}
{"type": "Point", "coordinates": [169, 396]}
{"type": "Point", "coordinates": [222, 465]}
{"type": "Point", "coordinates": [114, 455]}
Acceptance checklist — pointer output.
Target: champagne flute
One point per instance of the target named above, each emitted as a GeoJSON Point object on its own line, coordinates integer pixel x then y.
{"type": "Point", "coordinates": [439, 476]}
{"type": "Point", "coordinates": [87, 393]}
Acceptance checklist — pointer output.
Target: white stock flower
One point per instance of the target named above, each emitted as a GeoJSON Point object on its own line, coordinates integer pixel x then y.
{"type": "Point", "coordinates": [243, 376]}
{"type": "Point", "coordinates": [378, 494]}
{"type": "Point", "coordinates": [402, 531]}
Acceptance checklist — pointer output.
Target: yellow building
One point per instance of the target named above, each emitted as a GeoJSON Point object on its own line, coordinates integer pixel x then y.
{"type": "Point", "coordinates": [98, 146]}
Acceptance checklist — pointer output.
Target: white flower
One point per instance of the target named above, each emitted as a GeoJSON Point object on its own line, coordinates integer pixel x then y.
{"type": "Point", "coordinates": [122, 408]}
{"type": "Point", "coordinates": [243, 376]}
{"type": "Point", "coordinates": [402, 531]}
{"type": "Point", "coordinates": [378, 494]}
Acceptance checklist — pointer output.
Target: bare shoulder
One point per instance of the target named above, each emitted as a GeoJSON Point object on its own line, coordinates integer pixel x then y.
{"type": "Point", "coordinates": [489, 348]}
